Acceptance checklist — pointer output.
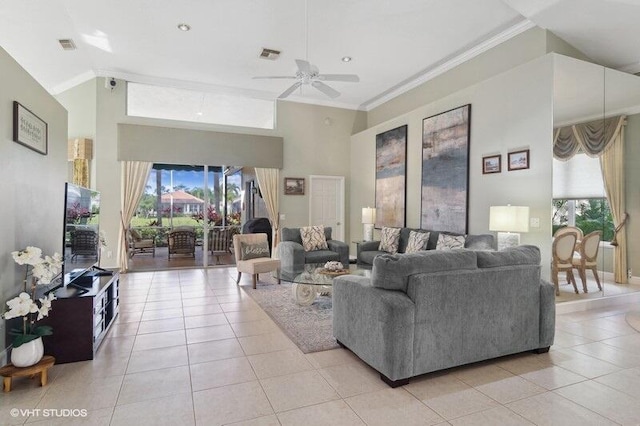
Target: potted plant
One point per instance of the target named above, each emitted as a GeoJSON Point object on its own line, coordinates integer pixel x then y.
{"type": "Point", "coordinates": [27, 342]}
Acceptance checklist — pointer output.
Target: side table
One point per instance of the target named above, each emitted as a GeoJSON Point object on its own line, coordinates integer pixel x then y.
{"type": "Point", "coordinates": [10, 371]}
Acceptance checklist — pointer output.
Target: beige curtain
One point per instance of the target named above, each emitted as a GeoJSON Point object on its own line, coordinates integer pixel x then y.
{"type": "Point", "coordinates": [612, 164]}
{"type": "Point", "coordinates": [268, 181]}
{"type": "Point", "coordinates": [134, 179]}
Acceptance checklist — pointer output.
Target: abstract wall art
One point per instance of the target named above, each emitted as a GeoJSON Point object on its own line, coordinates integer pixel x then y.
{"type": "Point", "coordinates": [445, 170]}
{"type": "Point", "coordinates": [391, 177]}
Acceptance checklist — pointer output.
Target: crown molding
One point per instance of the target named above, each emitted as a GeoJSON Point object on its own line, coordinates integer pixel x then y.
{"type": "Point", "coordinates": [467, 55]}
{"type": "Point", "coordinates": [73, 82]}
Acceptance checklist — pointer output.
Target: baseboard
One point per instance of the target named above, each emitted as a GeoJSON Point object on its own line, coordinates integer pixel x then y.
{"type": "Point", "coordinates": [602, 302]}
{"type": "Point", "coordinates": [608, 276]}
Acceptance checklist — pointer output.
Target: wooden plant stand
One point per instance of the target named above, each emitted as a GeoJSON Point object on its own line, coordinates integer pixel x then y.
{"type": "Point", "coordinates": [10, 371]}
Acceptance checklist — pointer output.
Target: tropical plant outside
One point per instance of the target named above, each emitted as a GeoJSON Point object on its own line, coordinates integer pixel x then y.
{"type": "Point", "coordinates": [590, 215]}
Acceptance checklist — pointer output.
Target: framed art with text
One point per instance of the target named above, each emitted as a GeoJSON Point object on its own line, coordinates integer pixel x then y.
{"type": "Point", "coordinates": [29, 129]}
{"type": "Point", "coordinates": [391, 177]}
{"type": "Point", "coordinates": [445, 170]}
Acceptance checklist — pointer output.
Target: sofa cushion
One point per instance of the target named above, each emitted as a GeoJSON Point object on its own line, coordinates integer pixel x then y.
{"type": "Point", "coordinates": [313, 238]}
{"type": "Point", "coordinates": [390, 239]}
{"type": "Point", "coordinates": [321, 256]}
{"type": "Point", "coordinates": [392, 272]}
{"type": "Point", "coordinates": [479, 242]}
{"type": "Point", "coordinates": [450, 242]}
{"type": "Point", "coordinates": [417, 241]}
{"type": "Point", "coordinates": [521, 255]}
{"type": "Point", "coordinates": [368, 256]}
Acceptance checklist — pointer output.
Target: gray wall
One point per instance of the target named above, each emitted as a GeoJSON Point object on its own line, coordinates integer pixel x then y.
{"type": "Point", "coordinates": [315, 140]}
{"type": "Point", "coordinates": [80, 102]}
{"type": "Point", "coordinates": [31, 211]}
{"type": "Point", "coordinates": [509, 111]}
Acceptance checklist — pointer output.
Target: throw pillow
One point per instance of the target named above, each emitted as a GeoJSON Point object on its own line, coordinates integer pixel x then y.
{"type": "Point", "coordinates": [254, 251]}
{"type": "Point", "coordinates": [417, 241]}
{"type": "Point", "coordinates": [136, 235]}
{"type": "Point", "coordinates": [390, 240]}
{"type": "Point", "coordinates": [313, 238]}
{"type": "Point", "coordinates": [450, 242]}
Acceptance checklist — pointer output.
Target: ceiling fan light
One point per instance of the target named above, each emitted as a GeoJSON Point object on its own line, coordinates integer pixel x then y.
{"type": "Point", "coordinates": [346, 59]}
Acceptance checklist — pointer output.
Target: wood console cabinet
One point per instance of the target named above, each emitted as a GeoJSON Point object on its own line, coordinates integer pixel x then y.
{"type": "Point", "coordinates": [81, 321]}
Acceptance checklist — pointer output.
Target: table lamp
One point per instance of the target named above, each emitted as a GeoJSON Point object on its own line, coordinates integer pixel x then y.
{"type": "Point", "coordinates": [368, 219]}
{"type": "Point", "coordinates": [509, 221]}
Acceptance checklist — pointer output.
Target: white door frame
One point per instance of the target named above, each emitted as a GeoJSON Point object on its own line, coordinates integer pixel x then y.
{"type": "Point", "coordinates": [341, 204]}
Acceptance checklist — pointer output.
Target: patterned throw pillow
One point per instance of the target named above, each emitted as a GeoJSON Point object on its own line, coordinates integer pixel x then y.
{"type": "Point", "coordinates": [313, 238]}
{"type": "Point", "coordinates": [417, 241]}
{"type": "Point", "coordinates": [390, 240]}
{"type": "Point", "coordinates": [254, 251]}
{"type": "Point", "coordinates": [450, 242]}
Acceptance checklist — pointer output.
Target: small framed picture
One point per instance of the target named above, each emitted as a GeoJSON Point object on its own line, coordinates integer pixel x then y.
{"type": "Point", "coordinates": [491, 164]}
{"type": "Point", "coordinates": [293, 186]}
{"type": "Point", "coordinates": [519, 160]}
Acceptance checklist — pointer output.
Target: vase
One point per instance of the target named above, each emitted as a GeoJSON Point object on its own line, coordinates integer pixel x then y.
{"type": "Point", "coordinates": [28, 354]}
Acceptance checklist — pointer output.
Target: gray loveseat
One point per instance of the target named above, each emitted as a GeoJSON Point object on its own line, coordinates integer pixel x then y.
{"type": "Point", "coordinates": [292, 256]}
{"type": "Point", "coordinates": [434, 310]}
{"type": "Point", "coordinates": [368, 250]}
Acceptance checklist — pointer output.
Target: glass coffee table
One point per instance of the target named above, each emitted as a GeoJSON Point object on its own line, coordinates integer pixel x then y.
{"type": "Point", "coordinates": [312, 279]}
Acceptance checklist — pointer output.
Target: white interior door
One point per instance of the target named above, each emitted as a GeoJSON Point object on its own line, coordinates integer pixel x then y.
{"type": "Point", "coordinates": [326, 203]}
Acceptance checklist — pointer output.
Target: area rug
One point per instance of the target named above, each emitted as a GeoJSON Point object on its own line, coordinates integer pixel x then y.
{"type": "Point", "coordinates": [309, 327]}
{"type": "Point", "coordinates": [633, 319]}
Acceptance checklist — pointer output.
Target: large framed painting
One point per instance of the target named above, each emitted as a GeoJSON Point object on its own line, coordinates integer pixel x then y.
{"type": "Point", "coordinates": [445, 170]}
{"type": "Point", "coordinates": [391, 177]}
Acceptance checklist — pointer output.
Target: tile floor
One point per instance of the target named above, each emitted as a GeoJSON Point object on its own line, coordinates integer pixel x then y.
{"type": "Point", "coordinates": [189, 347]}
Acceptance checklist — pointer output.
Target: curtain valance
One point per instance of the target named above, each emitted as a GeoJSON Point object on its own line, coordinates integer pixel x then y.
{"type": "Point", "coordinates": [592, 138]}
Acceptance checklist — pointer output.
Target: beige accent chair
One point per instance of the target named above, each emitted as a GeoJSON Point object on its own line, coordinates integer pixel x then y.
{"type": "Point", "coordinates": [253, 266]}
{"type": "Point", "coordinates": [562, 251]}
{"type": "Point", "coordinates": [587, 258]}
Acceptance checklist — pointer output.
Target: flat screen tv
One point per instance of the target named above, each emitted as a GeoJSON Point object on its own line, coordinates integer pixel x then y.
{"type": "Point", "coordinates": [81, 240]}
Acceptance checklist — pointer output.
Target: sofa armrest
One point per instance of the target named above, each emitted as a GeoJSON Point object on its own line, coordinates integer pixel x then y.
{"type": "Point", "coordinates": [547, 313]}
{"type": "Point", "coordinates": [375, 324]}
{"type": "Point", "coordinates": [341, 248]}
{"type": "Point", "coordinates": [368, 246]}
{"type": "Point", "coordinates": [291, 255]}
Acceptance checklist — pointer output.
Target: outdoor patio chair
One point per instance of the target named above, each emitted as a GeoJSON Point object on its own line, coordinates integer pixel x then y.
{"type": "Point", "coordinates": [182, 241]}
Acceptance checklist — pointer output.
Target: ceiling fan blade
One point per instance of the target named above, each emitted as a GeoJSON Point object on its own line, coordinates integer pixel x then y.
{"type": "Point", "coordinates": [303, 66]}
{"type": "Point", "coordinates": [351, 78]}
{"type": "Point", "coordinates": [279, 77]}
{"type": "Point", "coordinates": [327, 90]}
{"type": "Point", "coordinates": [290, 90]}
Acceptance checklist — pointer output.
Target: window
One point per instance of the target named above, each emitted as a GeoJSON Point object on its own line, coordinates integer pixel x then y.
{"type": "Point", "coordinates": [579, 197]}
{"type": "Point", "coordinates": [170, 103]}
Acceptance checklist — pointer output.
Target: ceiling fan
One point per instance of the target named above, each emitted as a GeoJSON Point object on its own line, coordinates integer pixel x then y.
{"type": "Point", "coordinates": [308, 74]}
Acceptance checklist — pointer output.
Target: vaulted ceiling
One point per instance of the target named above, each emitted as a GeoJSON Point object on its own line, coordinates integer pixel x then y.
{"type": "Point", "coordinates": [390, 42]}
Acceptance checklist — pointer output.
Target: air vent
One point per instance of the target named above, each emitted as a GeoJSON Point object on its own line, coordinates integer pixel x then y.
{"type": "Point", "coordinates": [270, 54]}
{"type": "Point", "coordinates": [67, 44]}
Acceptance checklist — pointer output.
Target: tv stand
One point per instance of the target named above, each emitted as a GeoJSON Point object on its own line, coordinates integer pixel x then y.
{"type": "Point", "coordinates": [81, 316]}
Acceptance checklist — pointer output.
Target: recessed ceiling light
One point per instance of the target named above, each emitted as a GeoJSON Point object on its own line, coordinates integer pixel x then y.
{"type": "Point", "coordinates": [184, 27]}
{"type": "Point", "coordinates": [199, 113]}
{"type": "Point", "coordinates": [346, 59]}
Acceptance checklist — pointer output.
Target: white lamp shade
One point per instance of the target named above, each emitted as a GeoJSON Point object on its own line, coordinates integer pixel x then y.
{"type": "Point", "coordinates": [509, 218]}
{"type": "Point", "coordinates": [368, 215]}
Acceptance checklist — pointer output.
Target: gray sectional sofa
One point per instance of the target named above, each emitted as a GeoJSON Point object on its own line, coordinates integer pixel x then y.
{"type": "Point", "coordinates": [432, 310]}
{"type": "Point", "coordinates": [368, 250]}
